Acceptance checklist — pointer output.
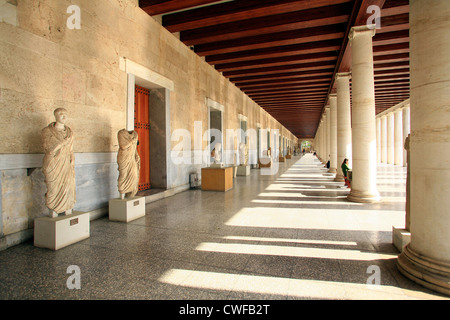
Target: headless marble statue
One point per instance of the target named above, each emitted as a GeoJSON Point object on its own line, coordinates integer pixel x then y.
{"type": "Point", "coordinates": [129, 163]}
{"type": "Point", "coordinates": [243, 154]}
{"type": "Point", "coordinates": [59, 165]}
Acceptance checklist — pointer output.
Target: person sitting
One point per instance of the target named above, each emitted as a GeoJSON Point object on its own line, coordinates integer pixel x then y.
{"type": "Point", "coordinates": [345, 168]}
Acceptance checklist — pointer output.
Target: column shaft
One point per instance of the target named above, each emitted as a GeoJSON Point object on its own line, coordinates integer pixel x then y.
{"type": "Point", "coordinates": [344, 130]}
{"type": "Point", "coordinates": [364, 171]}
{"type": "Point", "coordinates": [426, 259]}
{"type": "Point", "coordinates": [378, 126]}
{"type": "Point", "coordinates": [328, 134]}
{"type": "Point", "coordinates": [383, 139]}
{"type": "Point", "coordinates": [390, 138]}
{"type": "Point", "coordinates": [333, 134]}
{"type": "Point", "coordinates": [406, 130]}
{"type": "Point", "coordinates": [398, 138]}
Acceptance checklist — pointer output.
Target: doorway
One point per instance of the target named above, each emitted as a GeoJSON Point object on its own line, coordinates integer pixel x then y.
{"type": "Point", "coordinates": [142, 127]}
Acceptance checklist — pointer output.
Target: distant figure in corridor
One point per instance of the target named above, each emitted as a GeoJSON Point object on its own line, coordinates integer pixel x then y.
{"type": "Point", "coordinates": [345, 169]}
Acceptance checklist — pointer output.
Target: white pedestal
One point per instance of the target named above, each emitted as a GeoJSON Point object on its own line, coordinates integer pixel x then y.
{"type": "Point", "coordinates": [400, 238]}
{"type": "Point", "coordinates": [57, 233]}
{"type": "Point", "coordinates": [243, 170]}
{"type": "Point", "coordinates": [126, 210]}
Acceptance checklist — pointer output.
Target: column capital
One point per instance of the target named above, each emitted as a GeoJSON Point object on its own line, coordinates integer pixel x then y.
{"type": "Point", "coordinates": [341, 75]}
{"type": "Point", "coordinates": [354, 31]}
{"type": "Point", "coordinates": [332, 95]}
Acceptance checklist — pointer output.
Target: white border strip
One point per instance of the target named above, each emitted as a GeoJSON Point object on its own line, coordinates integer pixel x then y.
{"type": "Point", "coordinates": [24, 161]}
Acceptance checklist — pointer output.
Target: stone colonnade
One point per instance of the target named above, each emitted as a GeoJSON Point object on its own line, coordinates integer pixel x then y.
{"type": "Point", "coordinates": [426, 259]}
{"type": "Point", "coordinates": [393, 126]}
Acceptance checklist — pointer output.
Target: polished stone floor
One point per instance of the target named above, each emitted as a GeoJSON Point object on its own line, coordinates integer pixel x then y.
{"type": "Point", "coordinates": [291, 235]}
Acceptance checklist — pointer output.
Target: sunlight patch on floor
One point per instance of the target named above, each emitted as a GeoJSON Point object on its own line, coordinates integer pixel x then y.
{"type": "Point", "coordinates": [290, 251]}
{"type": "Point", "coordinates": [287, 240]}
{"type": "Point", "coordinates": [268, 285]}
{"type": "Point", "coordinates": [317, 218]}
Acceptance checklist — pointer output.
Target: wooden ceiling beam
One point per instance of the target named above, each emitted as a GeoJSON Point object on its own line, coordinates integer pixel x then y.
{"type": "Point", "coordinates": [236, 11]}
{"type": "Point", "coordinates": [157, 7]}
{"type": "Point", "coordinates": [297, 89]}
{"type": "Point", "coordinates": [278, 51]}
{"type": "Point", "coordinates": [283, 75]}
{"type": "Point", "coordinates": [294, 20]}
{"type": "Point", "coordinates": [292, 68]}
{"type": "Point", "coordinates": [301, 84]}
{"type": "Point", "coordinates": [285, 81]}
{"type": "Point", "coordinates": [335, 31]}
{"type": "Point", "coordinates": [280, 61]}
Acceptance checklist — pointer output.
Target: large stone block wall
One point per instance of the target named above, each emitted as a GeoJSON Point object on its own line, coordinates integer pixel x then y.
{"type": "Point", "coordinates": [45, 65]}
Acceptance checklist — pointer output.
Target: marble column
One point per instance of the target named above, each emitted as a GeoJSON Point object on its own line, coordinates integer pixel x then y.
{"type": "Point", "coordinates": [333, 133]}
{"type": "Point", "coordinates": [378, 128]}
{"type": "Point", "coordinates": [383, 139]}
{"type": "Point", "coordinates": [328, 133]}
{"type": "Point", "coordinates": [426, 259]}
{"type": "Point", "coordinates": [317, 141]}
{"type": "Point", "coordinates": [398, 138]}
{"type": "Point", "coordinates": [324, 136]}
{"type": "Point", "coordinates": [390, 138]}
{"type": "Point", "coordinates": [344, 127]}
{"type": "Point", "coordinates": [406, 130]}
{"type": "Point", "coordinates": [364, 167]}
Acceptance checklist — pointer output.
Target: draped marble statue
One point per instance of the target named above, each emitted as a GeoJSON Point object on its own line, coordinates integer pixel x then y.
{"type": "Point", "coordinates": [129, 163]}
{"type": "Point", "coordinates": [243, 154]}
{"type": "Point", "coordinates": [59, 165]}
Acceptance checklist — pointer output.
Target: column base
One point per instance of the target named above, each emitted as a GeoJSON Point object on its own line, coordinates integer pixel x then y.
{"type": "Point", "coordinates": [339, 178]}
{"type": "Point", "coordinates": [332, 170]}
{"type": "Point", "coordinates": [425, 271]}
{"type": "Point", "coordinates": [400, 238]}
{"type": "Point", "coordinates": [362, 197]}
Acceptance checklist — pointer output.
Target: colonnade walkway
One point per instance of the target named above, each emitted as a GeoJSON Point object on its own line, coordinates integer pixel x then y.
{"type": "Point", "coordinates": [292, 235]}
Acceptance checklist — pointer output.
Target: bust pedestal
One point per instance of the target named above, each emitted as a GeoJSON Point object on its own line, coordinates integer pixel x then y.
{"type": "Point", "coordinates": [127, 209]}
{"type": "Point", "coordinates": [217, 179]}
{"type": "Point", "coordinates": [59, 232]}
{"type": "Point", "coordinates": [243, 170]}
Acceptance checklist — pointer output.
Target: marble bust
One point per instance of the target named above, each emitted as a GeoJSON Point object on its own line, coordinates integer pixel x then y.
{"type": "Point", "coordinates": [216, 153]}
{"type": "Point", "coordinates": [59, 165]}
{"type": "Point", "coordinates": [129, 163]}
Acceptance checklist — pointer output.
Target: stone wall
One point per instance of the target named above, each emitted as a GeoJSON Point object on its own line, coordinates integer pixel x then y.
{"type": "Point", "coordinates": [45, 65]}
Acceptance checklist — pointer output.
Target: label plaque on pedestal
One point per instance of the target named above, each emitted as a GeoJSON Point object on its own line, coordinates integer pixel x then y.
{"type": "Point", "coordinates": [126, 210]}
{"type": "Point", "coordinates": [57, 233]}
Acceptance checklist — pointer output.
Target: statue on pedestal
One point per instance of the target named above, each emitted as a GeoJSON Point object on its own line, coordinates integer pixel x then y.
{"type": "Point", "coordinates": [59, 165]}
{"type": "Point", "coordinates": [129, 163]}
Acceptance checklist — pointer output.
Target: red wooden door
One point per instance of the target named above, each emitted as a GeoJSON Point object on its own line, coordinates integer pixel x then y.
{"type": "Point", "coordinates": [142, 127]}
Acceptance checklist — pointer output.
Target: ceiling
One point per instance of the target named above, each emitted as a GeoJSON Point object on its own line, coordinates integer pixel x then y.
{"type": "Point", "coordinates": [284, 54]}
